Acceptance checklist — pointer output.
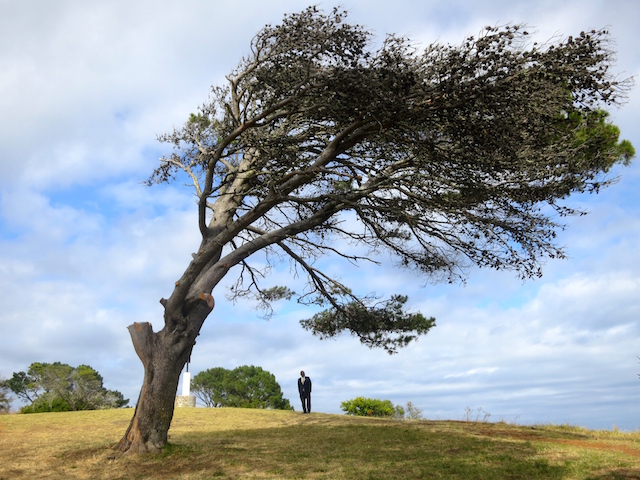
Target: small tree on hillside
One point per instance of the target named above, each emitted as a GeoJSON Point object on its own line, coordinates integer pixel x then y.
{"type": "Point", "coordinates": [445, 158]}
{"type": "Point", "coordinates": [245, 386]}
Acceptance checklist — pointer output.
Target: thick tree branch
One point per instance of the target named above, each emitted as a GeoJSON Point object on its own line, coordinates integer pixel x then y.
{"type": "Point", "coordinates": [144, 340]}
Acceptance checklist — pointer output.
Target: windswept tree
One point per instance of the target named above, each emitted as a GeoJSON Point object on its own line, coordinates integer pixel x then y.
{"type": "Point", "coordinates": [446, 158]}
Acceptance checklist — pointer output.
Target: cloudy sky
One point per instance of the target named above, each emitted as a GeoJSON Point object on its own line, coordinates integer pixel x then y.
{"type": "Point", "coordinates": [86, 249]}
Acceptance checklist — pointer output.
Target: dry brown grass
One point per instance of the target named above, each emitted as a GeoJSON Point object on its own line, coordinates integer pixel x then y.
{"type": "Point", "coordinates": [236, 443]}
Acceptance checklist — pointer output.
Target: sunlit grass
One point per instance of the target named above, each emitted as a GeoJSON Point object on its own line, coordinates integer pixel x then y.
{"type": "Point", "coordinates": [238, 443]}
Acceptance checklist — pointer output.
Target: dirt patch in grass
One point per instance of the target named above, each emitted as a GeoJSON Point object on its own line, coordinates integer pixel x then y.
{"type": "Point", "coordinates": [559, 435]}
{"type": "Point", "coordinates": [607, 447]}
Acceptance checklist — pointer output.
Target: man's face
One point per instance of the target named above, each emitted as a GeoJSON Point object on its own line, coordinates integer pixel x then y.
{"type": "Point", "coordinates": [302, 374]}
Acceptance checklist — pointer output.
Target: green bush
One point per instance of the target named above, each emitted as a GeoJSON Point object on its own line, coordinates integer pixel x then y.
{"type": "Point", "coordinates": [44, 405]}
{"type": "Point", "coordinates": [371, 407]}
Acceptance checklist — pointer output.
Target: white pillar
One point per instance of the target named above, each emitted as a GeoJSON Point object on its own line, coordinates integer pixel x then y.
{"type": "Point", "coordinates": [186, 384]}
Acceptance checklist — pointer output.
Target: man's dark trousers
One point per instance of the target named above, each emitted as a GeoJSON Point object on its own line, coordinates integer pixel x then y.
{"type": "Point", "coordinates": [306, 403]}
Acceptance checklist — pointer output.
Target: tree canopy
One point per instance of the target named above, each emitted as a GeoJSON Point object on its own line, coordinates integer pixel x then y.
{"type": "Point", "coordinates": [245, 386]}
{"type": "Point", "coordinates": [446, 157]}
{"type": "Point", "coordinates": [61, 387]}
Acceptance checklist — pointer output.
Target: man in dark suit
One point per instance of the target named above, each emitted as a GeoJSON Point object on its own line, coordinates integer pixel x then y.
{"type": "Point", "coordinates": [304, 388]}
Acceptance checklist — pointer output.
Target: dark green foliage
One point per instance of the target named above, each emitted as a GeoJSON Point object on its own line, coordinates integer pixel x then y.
{"type": "Point", "coordinates": [47, 403]}
{"type": "Point", "coordinates": [371, 407]}
{"type": "Point", "coordinates": [23, 386]}
{"type": "Point", "coordinates": [58, 387]}
{"type": "Point", "coordinates": [374, 325]}
{"type": "Point", "coordinates": [208, 386]}
{"type": "Point", "coordinates": [245, 386]}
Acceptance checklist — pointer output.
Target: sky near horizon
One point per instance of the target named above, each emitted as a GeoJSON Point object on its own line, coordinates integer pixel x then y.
{"type": "Point", "coordinates": [86, 249]}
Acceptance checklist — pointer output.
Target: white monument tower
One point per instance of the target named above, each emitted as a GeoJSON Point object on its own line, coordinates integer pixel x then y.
{"type": "Point", "coordinates": [186, 399]}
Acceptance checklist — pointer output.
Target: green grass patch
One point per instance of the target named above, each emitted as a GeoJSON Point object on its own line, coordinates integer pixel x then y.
{"type": "Point", "coordinates": [234, 443]}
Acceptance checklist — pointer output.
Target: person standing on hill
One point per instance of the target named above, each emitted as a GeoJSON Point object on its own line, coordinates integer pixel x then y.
{"type": "Point", "coordinates": [304, 388]}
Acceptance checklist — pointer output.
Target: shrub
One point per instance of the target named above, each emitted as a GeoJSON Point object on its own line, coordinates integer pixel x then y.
{"type": "Point", "coordinates": [45, 405]}
{"type": "Point", "coordinates": [370, 407]}
{"type": "Point", "coordinates": [413, 412]}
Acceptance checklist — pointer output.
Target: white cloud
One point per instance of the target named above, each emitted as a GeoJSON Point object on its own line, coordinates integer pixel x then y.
{"type": "Point", "coordinates": [473, 372]}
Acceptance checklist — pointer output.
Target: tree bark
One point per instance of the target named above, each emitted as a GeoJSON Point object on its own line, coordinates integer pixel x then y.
{"type": "Point", "coordinates": [163, 355]}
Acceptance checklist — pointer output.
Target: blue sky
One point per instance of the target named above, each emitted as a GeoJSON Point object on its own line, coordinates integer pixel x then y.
{"type": "Point", "coordinates": [86, 249]}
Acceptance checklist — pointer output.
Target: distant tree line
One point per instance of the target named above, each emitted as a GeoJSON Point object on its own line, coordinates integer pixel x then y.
{"type": "Point", "coordinates": [247, 386]}
{"type": "Point", "coordinates": [58, 387]}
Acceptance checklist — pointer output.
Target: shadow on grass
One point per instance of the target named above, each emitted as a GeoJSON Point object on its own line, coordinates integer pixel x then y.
{"type": "Point", "coordinates": [323, 450]}
{"type": "Point", "coordinates": [359, 451]}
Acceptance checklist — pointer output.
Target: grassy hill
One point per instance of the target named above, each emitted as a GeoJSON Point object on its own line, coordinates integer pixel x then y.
{"type": "Point", "coordinates": [233, 443]}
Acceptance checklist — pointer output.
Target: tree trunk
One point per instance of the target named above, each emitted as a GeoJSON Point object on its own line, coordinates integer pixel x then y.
{"type": "Point", "coordinates": [163, 356]}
